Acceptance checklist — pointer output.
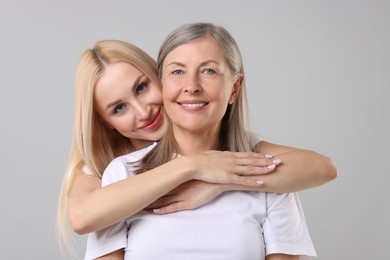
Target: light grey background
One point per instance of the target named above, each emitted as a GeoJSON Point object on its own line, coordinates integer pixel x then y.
{"type": "Point", "coordinates": [317, 75]}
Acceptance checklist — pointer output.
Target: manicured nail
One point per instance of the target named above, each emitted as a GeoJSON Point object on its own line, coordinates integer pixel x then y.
{"type": "Point", "coordinates": [156, 211]}
{"type": "Point", "coordinates": [271, 166]}
{"type": "Point", "coordinates": [260, 182]}
{"type": "Point", "coordinates": [269, 156]}
{"type": "Point", "coordinates": [276, 161]}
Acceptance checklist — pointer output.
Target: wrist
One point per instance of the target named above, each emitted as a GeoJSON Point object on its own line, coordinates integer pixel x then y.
{"type": "Point", "coordinates": [221, 188]}
{"type": "Point", "coordinates": [188, 166]}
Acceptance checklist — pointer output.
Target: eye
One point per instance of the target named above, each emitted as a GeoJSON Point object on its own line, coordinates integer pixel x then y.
{"type": "Point", "coordinates": [209, 71]}
{"type": "Point", "coordinates": [177, 72]}
{"type": "Point", "coordinates": [119, 108]}
{"type": "Point", "coordinates": [141, 88]}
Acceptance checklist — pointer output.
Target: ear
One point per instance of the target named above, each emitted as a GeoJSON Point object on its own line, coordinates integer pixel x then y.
{"type": "Point", "coordinates": [236, 88]}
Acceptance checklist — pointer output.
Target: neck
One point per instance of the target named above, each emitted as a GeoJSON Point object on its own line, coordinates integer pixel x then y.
{"type": "Point", "coordinates": [196, 142]}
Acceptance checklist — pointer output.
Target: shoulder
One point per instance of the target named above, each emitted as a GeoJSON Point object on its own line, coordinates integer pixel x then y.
{"type": "Point", "coordinates": [136, 155]}
{"type": "Point", "coordinates": [254, 140]}
{"type": "Point", "coordinates": [284, 204]}
{"type": "Point", "coordinates": [119, 168]}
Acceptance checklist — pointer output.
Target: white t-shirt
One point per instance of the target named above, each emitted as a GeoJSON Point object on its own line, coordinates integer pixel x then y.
{"type": "Point", "coordinates": [235, 225]}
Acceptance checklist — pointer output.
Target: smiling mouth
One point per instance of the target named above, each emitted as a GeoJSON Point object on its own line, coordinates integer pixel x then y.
{"type": "Point", "coordinates": [152, 124]}
{"type": "Point", "coordinates": [193, 105]}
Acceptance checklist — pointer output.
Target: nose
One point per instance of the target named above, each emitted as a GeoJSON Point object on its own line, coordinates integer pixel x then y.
{"type": "Point", "coordinates": [142, 111]}
{"type": "Point", "coordinates": [192, 84]}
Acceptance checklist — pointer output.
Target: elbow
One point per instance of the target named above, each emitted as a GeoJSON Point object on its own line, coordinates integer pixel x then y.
{"type": "Point", "coordinates": [79, 228]}
{"type": "Point", "coordinates": [79, 223]}
{"type": "Point", "coordinates": [329, 171]}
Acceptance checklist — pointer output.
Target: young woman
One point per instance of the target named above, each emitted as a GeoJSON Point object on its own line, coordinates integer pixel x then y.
{"type": "Point", "coordinates": [203, 89]}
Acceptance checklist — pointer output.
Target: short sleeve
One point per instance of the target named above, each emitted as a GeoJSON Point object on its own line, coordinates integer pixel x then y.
{"type": "Point", "coordinates": [285, 229]}
{"type": "Point", "coordinates": [254, 139]}
{"type": "Point", "coordinates": [116, 171]}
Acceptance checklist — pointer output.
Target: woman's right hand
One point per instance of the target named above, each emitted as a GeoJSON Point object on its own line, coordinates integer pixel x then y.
{"type": "Point", "coordinates": [232, 167]}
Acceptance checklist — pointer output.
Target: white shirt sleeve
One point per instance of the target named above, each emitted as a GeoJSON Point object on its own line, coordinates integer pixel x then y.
{"type": "Point", "coordinates": [114, 237]}
{"type": "Point", "coordinates": [285, 229]}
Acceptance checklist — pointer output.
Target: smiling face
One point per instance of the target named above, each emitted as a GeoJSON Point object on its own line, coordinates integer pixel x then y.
{"type": "Point", "coordinates": [128, 101]}
{"type": "Point", "coordinates": [197, 86]}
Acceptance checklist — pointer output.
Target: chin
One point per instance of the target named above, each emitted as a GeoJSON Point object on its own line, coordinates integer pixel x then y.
{"type": "Point", "coordinates": [159, 134]}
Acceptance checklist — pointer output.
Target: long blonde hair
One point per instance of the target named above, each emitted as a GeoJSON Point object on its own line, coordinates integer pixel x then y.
{"type": "Point", "coordinates": [94, 145]}
{"type": "Point", "coordinates": [233, 135]}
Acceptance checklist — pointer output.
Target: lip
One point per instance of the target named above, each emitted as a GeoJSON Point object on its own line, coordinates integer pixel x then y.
{"type": "Point", "coordinates": [192, 105]}
{"type": "Point", "coordinates": [153, 122]}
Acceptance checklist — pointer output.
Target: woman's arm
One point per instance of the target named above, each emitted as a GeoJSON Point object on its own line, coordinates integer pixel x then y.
{"type": "Point", "coordinates": [92, 208]}
{"type": "Point", "coordinates": [299, 170]}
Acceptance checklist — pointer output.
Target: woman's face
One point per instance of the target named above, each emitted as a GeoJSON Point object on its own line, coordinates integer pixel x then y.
{"type": "Point", "coordinates": [197, 86]}
{"type": "Point", "coordinates": [131, 103]}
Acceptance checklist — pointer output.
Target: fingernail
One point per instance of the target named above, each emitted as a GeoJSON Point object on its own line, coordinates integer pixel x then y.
{"type": "Point", "coordinates": [269, 156]}
{"type": "Point", "coordinates": [271, 166]}
{"type": "Point", "coordinates": [156, 211]}
{"type": "Point", "coordinates": [260, 182]}
{"type": "Point", "coordinates": [276, 161]}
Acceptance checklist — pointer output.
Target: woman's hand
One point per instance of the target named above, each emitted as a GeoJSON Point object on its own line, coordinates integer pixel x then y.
{"type": "Point", "coordinates": [189, 195]}
{"type": "Point", "coordinates": [231, 167]}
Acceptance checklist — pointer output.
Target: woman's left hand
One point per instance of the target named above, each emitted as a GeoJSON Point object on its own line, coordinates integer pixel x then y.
{"type": "Point", "coordinates": [189, 195]}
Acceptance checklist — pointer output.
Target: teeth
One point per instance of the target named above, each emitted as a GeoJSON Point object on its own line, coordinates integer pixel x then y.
{"type": "Point", "coordinates": [194, 105]}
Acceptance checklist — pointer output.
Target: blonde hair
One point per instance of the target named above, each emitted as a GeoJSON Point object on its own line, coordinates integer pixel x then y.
{"type": "Point", "coordinates": [233, 135]}
{"type": "Point", "coordinates": [95, 145]}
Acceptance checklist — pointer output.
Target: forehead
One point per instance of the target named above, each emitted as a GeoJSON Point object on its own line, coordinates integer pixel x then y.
{"type": "Point", "coordinates": [199, 49]}
{"type": "Point", "coordinates": [115, 72]}
{"type": "Point", "coordinates": [115, 78]}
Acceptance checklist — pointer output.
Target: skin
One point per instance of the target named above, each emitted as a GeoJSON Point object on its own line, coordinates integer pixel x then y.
{"type": "Point", "coordinates": [196, 92]}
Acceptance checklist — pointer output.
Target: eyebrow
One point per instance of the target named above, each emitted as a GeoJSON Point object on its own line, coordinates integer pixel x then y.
{"type": "Point", "coordinates": [183, 65]}
{"type": "Point", "coordinates": [116, 102]}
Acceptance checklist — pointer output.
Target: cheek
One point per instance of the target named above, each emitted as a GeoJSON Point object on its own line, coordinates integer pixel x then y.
{"type": "Point", "coordinates": [123, 124]}
{"type": "Point", "coordinates": [222, 95]}
{"type": "Point", "coordinates": [103, 120]}
{"type": "Point", "coordinates": [169, 84]}
{"type": "Point", "coordinates": [156, 97]}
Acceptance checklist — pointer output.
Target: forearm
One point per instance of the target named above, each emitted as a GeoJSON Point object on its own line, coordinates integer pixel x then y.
{"type": "Point", "coordinates": [106, 206]}
{"type": "Point", "coordinates": [299, 170]}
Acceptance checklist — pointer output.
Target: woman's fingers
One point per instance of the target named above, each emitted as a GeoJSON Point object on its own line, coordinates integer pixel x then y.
{"type": "Point", "coordinates": [174, 207]}
{"type": "Point", "coordinates": [253, 170]}
{"type": "Point", "coordinates": [255, 159]}
{"type": "Point", "coordinates": [221, 167]}
{"type": "Point", "coordinates": [246, 181]}
{"type": "Point", "coordinates": [254, 166]}
{"type": "Point", "coordinates": [162, 202]}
